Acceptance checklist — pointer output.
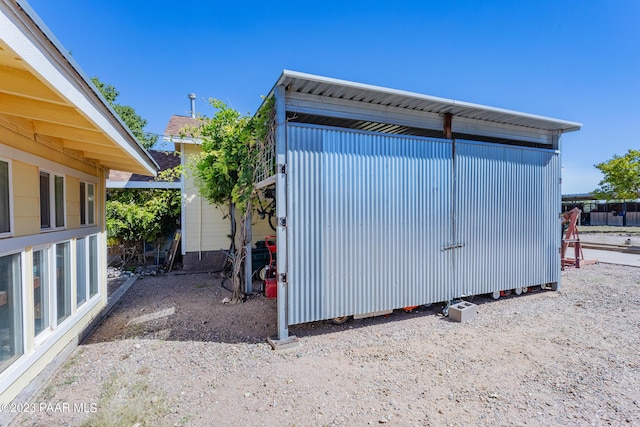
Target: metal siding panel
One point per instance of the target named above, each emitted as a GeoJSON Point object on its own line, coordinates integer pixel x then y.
{"type": "Point", "coordinates": [633, 218]}
{"type": "Point", "coordinates": [508, 200]}
{"type": "Point", "coordinates": [614, 220]}
{"type": "Point", "coordinates": [598, 218]}
{"type": "Point", "coordinates": [368, 217]}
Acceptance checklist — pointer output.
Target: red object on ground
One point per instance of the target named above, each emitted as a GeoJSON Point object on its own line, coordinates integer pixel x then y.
{"type": "Point", "coordinates": [572, 238]}
{"type": "Point", "coordinates": [271, 288]}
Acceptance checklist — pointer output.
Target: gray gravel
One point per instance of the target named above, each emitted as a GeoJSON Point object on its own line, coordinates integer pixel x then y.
{"type": "Point", "coordinates": [566, 358]}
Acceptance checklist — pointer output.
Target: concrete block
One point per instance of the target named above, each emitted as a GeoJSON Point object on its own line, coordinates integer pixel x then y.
{"type": "Point", "coordinates": [463, 311]}
{"type": "Point", "coordinates": [290, 343]}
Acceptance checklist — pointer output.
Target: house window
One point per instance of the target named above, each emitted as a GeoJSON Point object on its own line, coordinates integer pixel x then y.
{"type": "Point", "coordinates": [5, 198]}
{"type": "Point", "coordinates": [87, 203]}
{"type": "Point", "coordinates": [45, 202]}
{"type": "Point", "coordinates": [93, 266]}
{"type": "Point", "coordinates": [51, 200]}
{"type": "Point", "coordinates": [81, 270]}
{"type": "Point", "coordinates": [10, 310]}
{"type": "Point", "coordinates": [86, 268]}
{"type": "Point", "coordinates": [63, 281]}
{"type": "Point", "coordinates": [41, 290]}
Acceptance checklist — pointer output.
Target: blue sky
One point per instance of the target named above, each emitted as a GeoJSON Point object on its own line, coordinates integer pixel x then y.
{"type": "Point", "coordinates": [576, 60]}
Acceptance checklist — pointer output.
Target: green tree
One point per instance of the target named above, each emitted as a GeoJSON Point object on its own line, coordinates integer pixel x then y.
{"type": "Point", "coordinates": [128, 115]}
{"type": "Point", "coordinates": [224, 171]}
{"type": "Point", "coordinates": [621, 179]}
{"type": "Point", "coordinates": [135, 216]}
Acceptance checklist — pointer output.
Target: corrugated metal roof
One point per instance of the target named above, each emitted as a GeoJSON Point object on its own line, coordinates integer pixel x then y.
{"type": "Point", "coordinates": [341, 89]}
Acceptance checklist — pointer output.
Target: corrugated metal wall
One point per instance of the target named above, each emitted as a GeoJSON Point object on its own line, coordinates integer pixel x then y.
{"type": "Point", "coordinates": [608, 218]}
{"type": "Point", "coordinates": [633, 218]}
{"type": "Point", "coordinates": [507, 217]}
{"type": "Point", "coordinates": [370, 214]}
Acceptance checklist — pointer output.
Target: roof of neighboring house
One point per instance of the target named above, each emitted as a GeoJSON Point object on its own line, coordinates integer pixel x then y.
{"type": "Point", "coordinates": [165, 159]}
{"type": "Point", "coordinates": [46, 95]}
{"type": "Point", "coordinates": [177, 126]}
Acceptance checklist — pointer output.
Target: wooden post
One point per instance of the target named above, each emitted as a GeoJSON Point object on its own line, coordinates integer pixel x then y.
{"type": "Point", "coordinates": [448, 120]}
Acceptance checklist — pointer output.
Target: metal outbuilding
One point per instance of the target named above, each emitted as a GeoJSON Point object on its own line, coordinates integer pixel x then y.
{"type": "Point", "coordinates": [388, 199]}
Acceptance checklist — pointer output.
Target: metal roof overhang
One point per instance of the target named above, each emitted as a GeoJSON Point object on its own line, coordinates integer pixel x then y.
{"type": "Point", "coordinates": [311, 94]}
{"type": "Point", "coordinates": [43, 93]}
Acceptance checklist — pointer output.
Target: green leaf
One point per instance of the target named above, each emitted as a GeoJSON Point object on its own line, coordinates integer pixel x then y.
{"type": "Point", "coordinates": [621, 177]}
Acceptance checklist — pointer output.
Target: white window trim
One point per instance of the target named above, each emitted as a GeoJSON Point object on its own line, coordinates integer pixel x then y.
{"type": "Point", "coordinates": [54, 289]}
{"type": "Point", "coordinates": [99, 266]}
{"type": "Point", "coordinates": [23, 298]}
{"type": "Point", "coordinates": [11, 216]}
{"type": "Point", "coordinates": [52, 200]}
{"type": "Point", "coordinates": [85, 257]}
{"type": "Point", "coordinates": [45, 333]}
{"type": "Point", "coordinates": [46, 340]}
{"type": "Point", "coordinates": [21, 365]}
{"type": "Point", "coordinates": [86, 203]}
{"type": "Point", "coordinates": [41, 239]}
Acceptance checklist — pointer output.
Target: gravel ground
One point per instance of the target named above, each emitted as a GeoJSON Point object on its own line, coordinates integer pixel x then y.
{"type": "Point", "coordinates": [171, 354]}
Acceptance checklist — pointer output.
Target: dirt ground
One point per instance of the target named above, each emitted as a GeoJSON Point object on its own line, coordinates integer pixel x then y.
{"type": "Point", "coordinates": [171, 354]}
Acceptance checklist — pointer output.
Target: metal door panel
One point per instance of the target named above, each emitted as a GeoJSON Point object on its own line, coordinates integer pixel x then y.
{"type": "Point", "coordinates": [507, 205]}
{"type": "Point", "coordinates": [368, 216]}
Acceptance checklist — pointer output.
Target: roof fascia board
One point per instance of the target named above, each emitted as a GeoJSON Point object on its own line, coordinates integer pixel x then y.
{"type": "Point", "coordinates": [33, 44]}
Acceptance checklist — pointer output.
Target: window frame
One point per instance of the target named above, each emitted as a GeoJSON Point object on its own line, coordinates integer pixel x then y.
{"type": "Point", "coordinates": [93, 242]}
{"type": "Point", "coordinates": [67, 285]}
{"type": "Point", "coordinates": [20, 336]}
{"type": "Point", "coordinates": [82, 271]}
{"type": "Point", "coordinates": [88, 274]}
{"type": "Point", "coordinates": [53, 200]}
{"type": "Point", "coordinates": [87, 206]}
{"type": "Point", "coordinates": [9, 233]}
{"type": "Point", "coordinates": [46, 283]}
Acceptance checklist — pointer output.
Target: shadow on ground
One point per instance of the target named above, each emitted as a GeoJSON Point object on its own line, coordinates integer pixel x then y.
{"type": "Point", "coordinates": [188, 307]}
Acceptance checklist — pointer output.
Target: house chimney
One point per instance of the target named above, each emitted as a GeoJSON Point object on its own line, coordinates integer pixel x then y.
{"type": "Point", "coordinates": [192, 97]}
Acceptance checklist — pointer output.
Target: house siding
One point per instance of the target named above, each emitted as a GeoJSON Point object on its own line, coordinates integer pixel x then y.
{"type": "Point", "coordinates": [26, 200]}
{"type": "Point", "coordinates": [206, 228]}
{"type": "Point", "coordinates": [73, 202]}
{"type": "Point", "coordinates": [27, 236]}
